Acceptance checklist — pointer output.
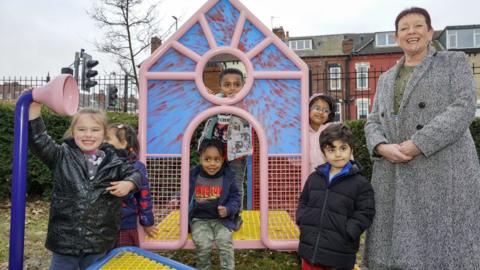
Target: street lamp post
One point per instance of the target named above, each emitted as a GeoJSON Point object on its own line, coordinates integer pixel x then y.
{"type": "Point", "coordinates": [271, 20]}
{"type": "Point", "coordinates": [176, 22]}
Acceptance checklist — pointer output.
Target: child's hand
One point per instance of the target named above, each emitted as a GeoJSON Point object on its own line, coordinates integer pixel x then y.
{"type": "Point", "coordinates": [222, 211]}
{"type": "Point", "coordinates": [120, 188]}
{"type": "Point", "coordinates": [150, 230]}
{"type": "Point", "coordinates": [35, 110]}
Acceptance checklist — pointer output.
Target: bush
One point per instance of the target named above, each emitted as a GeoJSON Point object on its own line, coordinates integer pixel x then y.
{"type": "Point", "coordinates": [39, 181]}
{"type": "Point", "coordinates": [475, 130]}
{"type": "Point", "coordinates": [39, 177]}
{"type": "Point", "coordinates": [360, 152]}
{"type": "Point", "coordinates": [6, 147]}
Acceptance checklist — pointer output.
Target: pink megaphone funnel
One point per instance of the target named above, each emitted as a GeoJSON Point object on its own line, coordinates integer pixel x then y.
{"type": "Point", "coordinates": [60, 95]}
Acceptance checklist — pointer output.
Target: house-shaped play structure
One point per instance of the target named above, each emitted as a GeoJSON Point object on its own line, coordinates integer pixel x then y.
{"type": "Point", "coordinates": [274, 100]}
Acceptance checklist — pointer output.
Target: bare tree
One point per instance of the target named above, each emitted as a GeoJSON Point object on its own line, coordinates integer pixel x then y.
{"type": "Point", "coordinates": [128, 26]}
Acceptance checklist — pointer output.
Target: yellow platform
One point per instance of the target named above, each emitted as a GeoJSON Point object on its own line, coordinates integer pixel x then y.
{"type": "Point", "coordinates": [130, 260]}
{"type": "Point", "coordinates": [280, 227]}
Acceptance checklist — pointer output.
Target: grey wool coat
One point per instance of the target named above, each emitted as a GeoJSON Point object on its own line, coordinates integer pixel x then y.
{"type": "Point", "coordinates": [428, 210]}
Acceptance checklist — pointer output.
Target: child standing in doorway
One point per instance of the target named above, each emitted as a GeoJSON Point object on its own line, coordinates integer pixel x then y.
{"type": "Point", "coordinates": [234, 132]}
{"type": "Point", "coordinates": [139, 204]}
{"type": "Point", "coordinates": [336, 206]}
{"type": "Point", "coordinates": [214, 204]}
{"type": "Point", "coordinates": [89, 180]}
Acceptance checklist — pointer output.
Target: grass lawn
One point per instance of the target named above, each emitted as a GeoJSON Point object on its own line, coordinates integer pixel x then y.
{"type": "Point", "coordinates": [37, 257]}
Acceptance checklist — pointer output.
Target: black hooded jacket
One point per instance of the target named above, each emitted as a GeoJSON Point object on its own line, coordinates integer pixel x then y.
{"type": "Point", "coordinates": [332, 216]}
{"type": "Point", "coordinates": [84, 217]}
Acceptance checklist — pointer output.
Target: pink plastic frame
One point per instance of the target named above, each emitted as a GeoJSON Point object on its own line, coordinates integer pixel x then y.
{"type": "Point", "coordinates": [225, 107]}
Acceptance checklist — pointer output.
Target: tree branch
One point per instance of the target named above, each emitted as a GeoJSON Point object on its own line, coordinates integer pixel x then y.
{"type": "Point", "coordinates": [128, 29]}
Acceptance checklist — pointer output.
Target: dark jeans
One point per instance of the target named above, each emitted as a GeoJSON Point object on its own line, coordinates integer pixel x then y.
{"type": "Point", "coordinates": [67, 262]}
{"type": "Point", "coordinates": [239, 168]}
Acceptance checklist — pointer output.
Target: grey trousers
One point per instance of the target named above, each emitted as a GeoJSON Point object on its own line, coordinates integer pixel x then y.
{"type": "Point", "coordinates": [204, 232]}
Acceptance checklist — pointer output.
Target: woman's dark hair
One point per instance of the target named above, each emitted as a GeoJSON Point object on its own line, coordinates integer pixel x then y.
{"type": "Point", "coordinates": [126, 133]}
{"type": "Point", "coordinates": [416, 10]}
{"type": "Point", "coordinates": [335, 132]}
{"type": "Point", "coordinates": [231, 71]}
{"type": "Point", "coordinates": [329, 101]}
{"type": "Point", "coordinates": [207, 143]}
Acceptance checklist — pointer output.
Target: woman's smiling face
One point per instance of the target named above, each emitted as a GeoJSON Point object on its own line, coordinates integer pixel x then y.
{"type": "Point", "coordinates": [413, 34]}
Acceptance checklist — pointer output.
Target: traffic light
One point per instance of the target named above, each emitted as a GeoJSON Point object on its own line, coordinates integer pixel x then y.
{"type": "Point", "coordinates": [87, 72]}
{"type": "Point", "coordinates": [112, 96]}
{"type": "Point", "coordinates": [67, 70]}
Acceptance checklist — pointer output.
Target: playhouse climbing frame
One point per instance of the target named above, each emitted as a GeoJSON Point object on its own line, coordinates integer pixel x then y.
{"type": "Point", "coordinates": [274, 100]}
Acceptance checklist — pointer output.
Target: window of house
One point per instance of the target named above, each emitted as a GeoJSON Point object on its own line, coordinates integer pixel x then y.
{"type": "Point", "coordinates": [476, 34]}
{"type": "Point", "coordinates": [362, 107]}
{"type": "Point", "coordinates": [451, 39]}
{"type": "Point", "coordinates": [386, 39]}
{"type": "Point", "coordinates": [335, 77]}
{"type": "Point", "coordinates": [362, 75]}
{"type": "Point", "coordinates": [301, 44]}
{"type": "Point", "coordinates": [463, 38]}
{"type": "Point", "coordinates": [338, 112]}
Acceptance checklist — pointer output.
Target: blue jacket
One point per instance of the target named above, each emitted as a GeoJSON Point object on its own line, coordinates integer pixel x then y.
{"type": "Point", "coordinates": [229, 197]}
{"type": "Point", "coordinates": [138, 203]}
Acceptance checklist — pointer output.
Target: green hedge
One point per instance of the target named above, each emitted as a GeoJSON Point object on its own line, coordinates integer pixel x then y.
{"type": "Point", "coordinates": [360, 146]}
{"type": "Point", "coordinates": [39, 177]}
{"type": "Point", "coordinates": [475, 130]}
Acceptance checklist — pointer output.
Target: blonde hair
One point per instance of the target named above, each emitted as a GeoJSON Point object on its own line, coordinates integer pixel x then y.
{"type": "Point", "coordinates": [97, 115]}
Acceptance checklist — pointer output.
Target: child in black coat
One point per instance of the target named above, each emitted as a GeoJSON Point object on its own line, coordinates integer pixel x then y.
{"type": "Point", "coordinates": [336, 205]}
{"type": "Point", "coordinates": [89, 181]}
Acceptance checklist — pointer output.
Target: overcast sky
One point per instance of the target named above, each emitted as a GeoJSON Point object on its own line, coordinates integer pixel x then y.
{"type": "Point", "coordinates": [40, 37]}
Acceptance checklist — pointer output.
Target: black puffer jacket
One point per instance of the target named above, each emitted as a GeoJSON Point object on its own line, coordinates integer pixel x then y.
{"type": "Point", "coordinates": [332, 216]}
{"type": "Point", "coordinates": [84, 218]}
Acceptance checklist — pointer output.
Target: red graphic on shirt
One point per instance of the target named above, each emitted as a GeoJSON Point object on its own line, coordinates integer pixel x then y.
{"type": "Point", "coordinates": [208, 192]}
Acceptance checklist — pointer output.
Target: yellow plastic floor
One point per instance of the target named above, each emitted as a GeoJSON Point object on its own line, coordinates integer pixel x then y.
{"type": "Point", "coordinates": [280, 227]}
{"type": "Point", "coordinates": [130, 260]}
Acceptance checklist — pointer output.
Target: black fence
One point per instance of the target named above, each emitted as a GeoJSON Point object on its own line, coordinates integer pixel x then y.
{"type": "Point", "coordinates": [353, 92]}
{"type": "Point", "coordinates": [96, 97]}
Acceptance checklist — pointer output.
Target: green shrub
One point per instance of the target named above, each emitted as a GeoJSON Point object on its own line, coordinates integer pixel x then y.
{"type": "Point", "coordinates": [6, 147]}
{"type": "Point", "coordinates": [360, 152]}
{"type": "Point", "coordinates": [39, 180]}
{"type": "Point", "coordinates": [475, 130]}
{"type": "Point", "coordinates": [39, 177]}
{"type": "Point", "coordinates": [115, 117]}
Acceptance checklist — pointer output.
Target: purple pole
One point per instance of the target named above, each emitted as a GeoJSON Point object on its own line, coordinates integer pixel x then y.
{"type": "Point", "coordinates": [19, 172]}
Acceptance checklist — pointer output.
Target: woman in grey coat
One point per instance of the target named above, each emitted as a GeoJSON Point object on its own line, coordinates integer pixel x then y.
{"type": "Point", "coordinates": [426, 173]}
